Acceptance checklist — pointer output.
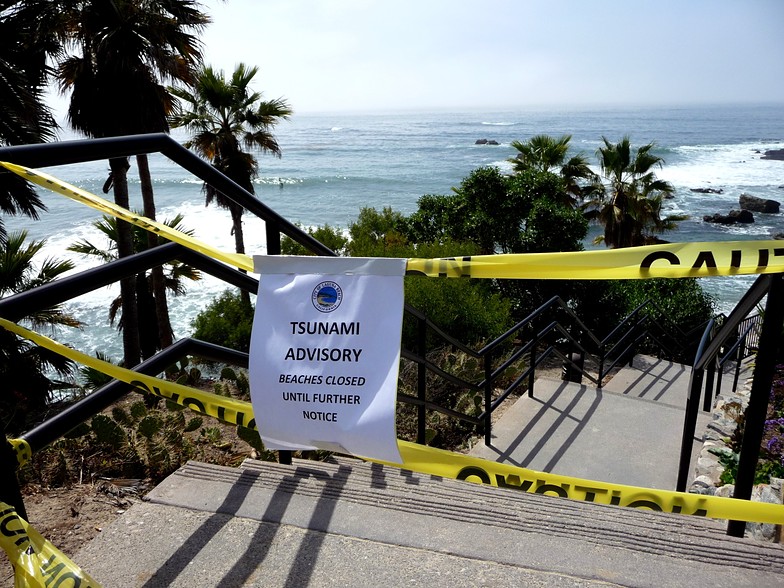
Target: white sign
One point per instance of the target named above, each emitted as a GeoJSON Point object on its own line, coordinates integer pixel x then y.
{"type": "Point", "coordinates": [325, 351]}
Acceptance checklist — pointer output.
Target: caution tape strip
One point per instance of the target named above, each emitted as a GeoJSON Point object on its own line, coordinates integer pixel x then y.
{"type": "Point", "coordinates": [672, 260]}
{"type": "Point", "coordinates": [102, 205]}
{"type": "Point", "coordinates": [428, 460]}
{"type": "Point", "coordinates": [37, 562]}
{"type": "Point", "coordinates": [24, 452]}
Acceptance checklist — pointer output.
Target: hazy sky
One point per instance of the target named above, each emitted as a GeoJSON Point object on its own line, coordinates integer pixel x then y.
{"type": "Point", "coordinates": [328, 55]}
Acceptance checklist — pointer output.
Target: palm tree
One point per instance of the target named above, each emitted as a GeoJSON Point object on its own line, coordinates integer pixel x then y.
{"type": "Point", "coordinates": [145, 294]}
{"type": "Point", "coordinates": [24, 388]}
{"type": "Point", "coordinates": [125, 51]}
{"type": "Point", "coordinates": [27, 35]}
{"type": "Point", "coordinates": [629, 203]}
{"type": "Point", "coordinates": [547, 154]}
{"type": "Point", "coordinates": [223, 116]}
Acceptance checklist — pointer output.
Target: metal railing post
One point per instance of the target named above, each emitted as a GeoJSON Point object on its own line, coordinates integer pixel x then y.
{"type": "Point", "coordinates": [692, 409]}
{"type": "Point", "coordinates": [601, 366]}
{"type": "Point", "coordinates": [707, 400]}
{"type": "Point", "coordinates": [769, 341]}
{"type": "Point", "coordinates": [532, 375]}
{"type": "Point", "coordinates": [10, 492]}
{"type": "Point", "coordinates": [273, 238]}
{"type": "Point", "coordinates": [740, 355]}
{"type": "Point", "coordinates": [689, 427]}
{"type": "Point", "coordinates": [719, 380]}
{"type": "Point", "coordinates": [422, 381]}
{"type": "Point", "coordinates": [488, 397]}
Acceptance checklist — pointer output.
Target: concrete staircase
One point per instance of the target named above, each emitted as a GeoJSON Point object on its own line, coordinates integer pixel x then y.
{"type": "Point", "coordinates": [350, 524]}
{"type": "Point", "coordinates": [347, 523]}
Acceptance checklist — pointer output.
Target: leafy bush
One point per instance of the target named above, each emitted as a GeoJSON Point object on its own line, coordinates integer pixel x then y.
{"type": "Point", "coordinates": [679, 304]}
{"type": "Point", "coordinates": [441, 430]}
{"type": "Point", "coordinates": [227, 321]}
{"type": "Point", "coordinates": [465, 309]}
{"type": "Point", "coordinates": [377, 234]}
{"type": "Point", "coordinates": [468, 310]}
{"type": "Point", "coordinates": [332, 237]}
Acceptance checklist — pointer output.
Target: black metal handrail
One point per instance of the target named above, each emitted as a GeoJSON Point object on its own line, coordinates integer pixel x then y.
{"type": "Point", "coordinates": [67, 152]}
{"type": "Point", "coordinates": [739, 325]}
{"type": "Point", "coordinates": [527, 353]}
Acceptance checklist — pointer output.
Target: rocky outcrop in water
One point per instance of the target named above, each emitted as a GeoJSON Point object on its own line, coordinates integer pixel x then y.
{"type": "Point", "coordinates": [755, 204]}
{"type": "Point", "coordinates": [774, 154]}
{"type": "Point", "coordinates": [734, 217]}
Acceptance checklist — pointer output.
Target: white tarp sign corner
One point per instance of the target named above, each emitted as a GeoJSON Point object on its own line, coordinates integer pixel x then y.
{"type": "Point", "coordinates": [325, 351]}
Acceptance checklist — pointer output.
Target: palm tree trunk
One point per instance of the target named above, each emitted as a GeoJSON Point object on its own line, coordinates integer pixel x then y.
{"type": "Point", "coordinates": [236, 220]}
{"type": "Point", "coordinates": [130, 332]}
{"type": "Point", "coordinates": [165, 331]}
{"type": "Point", "coordinates": [239, 241]}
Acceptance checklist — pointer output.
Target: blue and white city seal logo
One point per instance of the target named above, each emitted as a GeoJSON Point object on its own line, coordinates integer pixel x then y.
{"type": "Point", "coordinates": [327, 296]}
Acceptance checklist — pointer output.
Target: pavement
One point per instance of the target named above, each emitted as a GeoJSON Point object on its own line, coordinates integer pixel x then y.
{"type": "Point", "coordinates": [347, 523]}
{"type": "Point", "coordinates": [628, 432]}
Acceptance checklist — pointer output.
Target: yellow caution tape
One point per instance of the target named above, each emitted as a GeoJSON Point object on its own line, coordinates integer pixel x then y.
{"type": "Point", "coordinates": [420, 458]}
{"type": "Point", "coordinates": [672, 260]}
{"type": "Point", "coordinates": [37, 563]}
{"type": "Point", "coordinates": [102, 205]}
{"type": "Point", "coordinates": [23, 450]}
{"type": "Point", "coordinates": [427, 460]}
{"type": "Point", "coordinates": [221, 407]}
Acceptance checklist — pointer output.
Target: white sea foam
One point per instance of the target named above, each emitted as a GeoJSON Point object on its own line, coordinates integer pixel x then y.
{"type": "Point", "coordinates": [504, 165]}
{"type": "Point", "coordinates": [722, 166]}
{"type": "Point", "coordinates": [499, 124]}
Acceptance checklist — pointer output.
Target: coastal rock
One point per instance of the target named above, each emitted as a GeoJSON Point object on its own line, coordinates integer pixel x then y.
{"type": "Point", "coordinates": [725, 491]}
{"type": "Point", "coordinates": [755, 204]}
{"type": "Point", "coordinates": [486, 142]}
{"type": "Point", "coordinates": [770, 493]}
{"type": "Point", "coordinates": [703, 485]}
{"type": "Point", "coordinates": [735, 216]}
{"type": "Point", "coordinates": [707, 190]}
{"type": "Point", "coordinates": [708, 466]}
{"type": "Point", "coordinates": [774, 154]}
{"type": "Point", "coordinates": [779, 236]}
{"type": "Point", "coordinates": [492, 142]}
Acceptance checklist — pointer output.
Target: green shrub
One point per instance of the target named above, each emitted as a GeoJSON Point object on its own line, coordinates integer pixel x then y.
{"type": "Point", "coordinates": [332, 237]}
{"type": "Point", "coordinates": [377, 234]}
{"type": "Point", "coordinates": [227, 321]}
{"type": "Point", "coordinates": [681, 301]}
{"type": "Point", "coordinates": [464, 309]}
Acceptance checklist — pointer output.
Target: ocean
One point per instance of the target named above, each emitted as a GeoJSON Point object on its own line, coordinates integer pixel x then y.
{"type": "Point", "coordinates": [335, 164]}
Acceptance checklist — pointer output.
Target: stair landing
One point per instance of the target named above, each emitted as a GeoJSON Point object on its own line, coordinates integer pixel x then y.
{"type": "Point", "coordinates": [628, 432]}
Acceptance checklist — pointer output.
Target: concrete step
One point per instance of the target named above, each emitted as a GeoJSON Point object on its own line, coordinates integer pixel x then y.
{"type": "Point", "coordinates": [579, 431]}
{"type": "Point", "coordinates": [354, 524]}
